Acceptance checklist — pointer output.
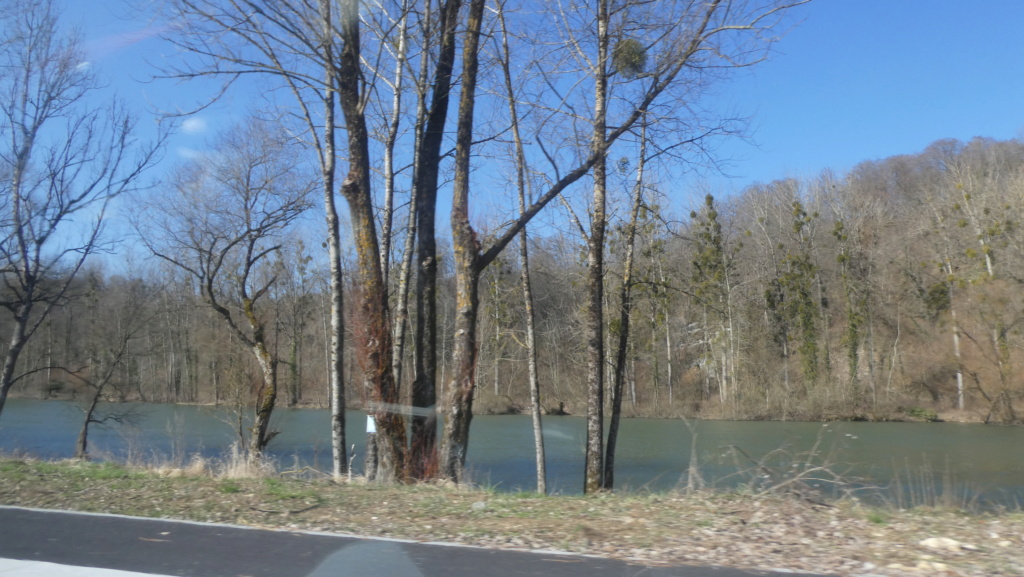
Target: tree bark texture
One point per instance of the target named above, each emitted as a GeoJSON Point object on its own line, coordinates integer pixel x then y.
{"type": "Point", "coordinates": [467, 266]}
{"type": "Point", "coordinates": [425, 185]}
{"type": "Point", "coordinates": [328, 168]}
{"type": "Point", "coordinates": [594, 325]}
{"type": "Point", "coordinates": [372, 328]}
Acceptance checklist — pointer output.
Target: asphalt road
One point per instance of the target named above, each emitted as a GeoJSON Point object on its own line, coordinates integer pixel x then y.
{"type": "Point", "coordinates": [176, 548]}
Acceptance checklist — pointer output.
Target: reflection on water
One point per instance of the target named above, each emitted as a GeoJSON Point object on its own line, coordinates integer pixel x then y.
{"type": "Point", "coordinates": [653, 454]}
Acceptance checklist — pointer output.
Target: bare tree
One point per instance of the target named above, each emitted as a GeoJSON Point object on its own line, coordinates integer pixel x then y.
{"type": "Point", "coordinates": [601, 70]}
{"type": "Point", "coordinates": [313, 54]}
{"type": "Point", "coordinates": [521, 184]}
{"type": "Point", "coordinates": [431, 122]}
{"type": "Point", "coordinates": [621, 331]}
{"type": "Point", "coordinates": [691, 35]}
{"type": "Point", "coordinates": [63, 159]}
{"type": "Point", "coordinates": [112, 340]}
{"type": "Point", "coordinates": [221, 222]}
{"type": "Point", "coordinates": [326, 150]}
{"type": "Point", "coordinates": [292, 44]}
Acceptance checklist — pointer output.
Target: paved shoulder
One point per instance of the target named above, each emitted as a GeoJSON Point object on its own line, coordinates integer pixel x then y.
{"type": "Point", "coordinates": [174, 548]}
{"type": "Point", "coordinates": [15, 568]}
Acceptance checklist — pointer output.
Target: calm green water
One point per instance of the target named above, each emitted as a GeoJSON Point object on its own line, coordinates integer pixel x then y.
{"type": "Point", "coordinates": [653, 454]}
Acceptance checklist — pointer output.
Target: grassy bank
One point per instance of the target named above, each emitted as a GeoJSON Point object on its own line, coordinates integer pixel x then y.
{"type": "Point", "coordinates": [732, 529]}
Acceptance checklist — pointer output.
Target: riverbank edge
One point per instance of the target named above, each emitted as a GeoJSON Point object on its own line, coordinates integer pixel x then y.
{"type": "Point", "coordinates": [900, 414]}
{"type": "Point", "coordinates": [734, 529]}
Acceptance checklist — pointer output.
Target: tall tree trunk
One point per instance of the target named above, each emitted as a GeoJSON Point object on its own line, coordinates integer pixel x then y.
{"type": "Point", "coordinates": [531, 351]}
{"type": "Point", "coordinates": [373, 339]}
{"type": "Point", "coordinates": [398, 324]}
{"type": "Point", "coordinates": [625, 314]}
{"type": "Point", "coordinates": [401, 319]}
{"type": "Point", "coordinates": [468, 265]}
{"type": "Point", "coordinates": [595, 338]}
{"type": "Point", "coordinates": [425, 184]}
{"type": "Point", "coordinates": [402, 310]}
{"type": "Point", "coordinates": [460, 390]}
{"type": "Point", "coordinates": [336, 354]}
{"type": "Point", "coordinates": [594, 325]}
{"type": "Point", "coordinates": [524, 265]}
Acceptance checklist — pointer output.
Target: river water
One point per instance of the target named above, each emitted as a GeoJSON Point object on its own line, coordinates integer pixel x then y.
{"type": "Point", "coordinates": [913, 462]}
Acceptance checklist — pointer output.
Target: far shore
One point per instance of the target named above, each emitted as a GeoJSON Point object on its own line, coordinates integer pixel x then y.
{"type": "Point", "coordinates": [902, 415]}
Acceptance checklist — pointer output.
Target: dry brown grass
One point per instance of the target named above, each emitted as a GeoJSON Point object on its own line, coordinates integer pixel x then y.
{"type": "Point", "coordinates": [739, 530]}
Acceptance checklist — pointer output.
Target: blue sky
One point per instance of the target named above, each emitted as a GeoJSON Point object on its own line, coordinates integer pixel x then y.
{"type": "Point", "coordinates": [859, 80]}
{"type": "Point", "coordinates": [853, 80]}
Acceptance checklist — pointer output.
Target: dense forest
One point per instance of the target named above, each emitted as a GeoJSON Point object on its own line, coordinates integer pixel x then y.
{"type": "Point", "coordinates": [299, 259]}
{"type": "Point", "coordinates": [889, 292]}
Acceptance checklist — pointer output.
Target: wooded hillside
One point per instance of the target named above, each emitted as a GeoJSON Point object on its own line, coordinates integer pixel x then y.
{"type": "Point", "coordinates": [892, 291]}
